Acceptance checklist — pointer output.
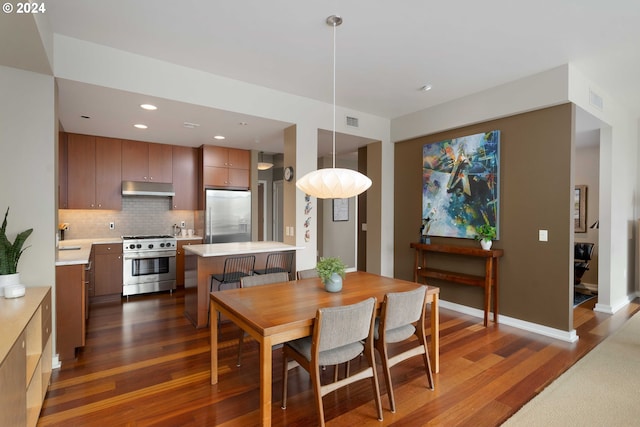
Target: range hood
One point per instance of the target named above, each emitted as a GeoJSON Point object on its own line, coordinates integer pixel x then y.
{"type": "Point", "coordinates": [146, 188]}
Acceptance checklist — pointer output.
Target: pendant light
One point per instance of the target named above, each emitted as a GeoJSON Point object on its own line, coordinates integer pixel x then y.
{"type": "Point", "coordinates": [262, 165]}
{"type": "Point", "coordinates": [334, 183]}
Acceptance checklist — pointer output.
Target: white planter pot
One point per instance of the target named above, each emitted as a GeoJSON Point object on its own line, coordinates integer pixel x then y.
{"type": "Point", "coordinates": [8, 280]}
{"type": "Point", "coordinates": [486, 244]}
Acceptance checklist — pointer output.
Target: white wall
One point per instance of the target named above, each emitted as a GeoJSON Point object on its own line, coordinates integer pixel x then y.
{"type": "Point", "coordinates": [28, 171]}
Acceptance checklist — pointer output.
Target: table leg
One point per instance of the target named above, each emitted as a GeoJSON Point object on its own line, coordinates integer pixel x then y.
{"type": "Point", "coordinates": [494, 269]}
{"type": "Point", "coordinates": [213, 327]}
{"type": "Point", "coordinates": [435, 334]}
{"type": "Point", "coordinates": [266, 362]}
{"type": "Point", "coordinates": [487, 290]}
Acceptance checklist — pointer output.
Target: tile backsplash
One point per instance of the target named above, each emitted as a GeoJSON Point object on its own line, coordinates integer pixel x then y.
{"type": "Point", "coordinates": [139, 215]}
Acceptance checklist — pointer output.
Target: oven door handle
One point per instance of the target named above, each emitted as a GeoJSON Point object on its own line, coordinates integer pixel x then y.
{"type": "Point", "coordinates": [170, 254]}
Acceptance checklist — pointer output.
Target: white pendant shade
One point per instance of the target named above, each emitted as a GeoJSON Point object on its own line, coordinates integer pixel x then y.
{"type": "Point", "coordinates": [334, 183]}
{"type": "Point", "coordinates": [263, 166]}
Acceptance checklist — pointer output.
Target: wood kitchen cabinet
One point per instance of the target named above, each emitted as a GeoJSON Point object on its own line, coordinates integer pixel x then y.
{"type": "Point", "coordinates": [107, 269]}
{"type": "Point", "coordinates": [225, 167]}
{"type": "Point", "coordinates": [93, 172]}
{"type": "Point", "coordinates": [71, 309]}
{"type": "Point", "coordinates": [185, 177]}
{"type": "Point", "coordinates": [25, 355]}
{"type": "Point", "coordinates": [145, 161]}
{"type": "Point", "coordinates": [180, 259]}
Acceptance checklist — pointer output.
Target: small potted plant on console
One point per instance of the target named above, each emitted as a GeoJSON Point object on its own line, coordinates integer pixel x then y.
{"type": "Point", "coordinates": [10, 255]}
{"type": "Point", "coordinates": [485, 233]}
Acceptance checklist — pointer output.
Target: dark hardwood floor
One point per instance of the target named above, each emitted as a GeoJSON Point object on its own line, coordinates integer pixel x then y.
{"type": "Point", "coordinates": [145, 365]}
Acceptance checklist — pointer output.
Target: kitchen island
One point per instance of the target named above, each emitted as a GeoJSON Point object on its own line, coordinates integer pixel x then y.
{"type": "Point", "coordinates": [201, 261]}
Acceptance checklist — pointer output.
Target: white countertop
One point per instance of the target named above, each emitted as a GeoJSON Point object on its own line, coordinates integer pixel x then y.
{"type": "Point", "coordinates": [238, 248]}
{"type": "Point", "coordinates": [80, 249]}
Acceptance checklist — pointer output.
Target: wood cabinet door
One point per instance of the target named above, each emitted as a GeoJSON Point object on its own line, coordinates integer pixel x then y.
{"type": "Point", "coordinates": [81, 171]}
{"type": "Point", "coordinates": [215, 177]}
{"type": "Point", "coordinates": [135, 160]}
{"type": "Point", "coordinates": [215, 156]}
{"type": "Point", "coordinates": [185, 177]}
{"type": "Point", "coordinates": [70, 314]}
{"type": "Point", "coordinates": [160, 163]}
{"type": "Point", "coordinates": [108, 173]}
{"type": "Point", "coordinates": [108, 270]}
{"type": "Point", "coordinates": [13, 399]}
{"type": "Point", "coordinates": [239, 159]}
{"type": "Point", "coordinates": [238, 178]}
{"type": "Point", "coordinates": [180, 259]}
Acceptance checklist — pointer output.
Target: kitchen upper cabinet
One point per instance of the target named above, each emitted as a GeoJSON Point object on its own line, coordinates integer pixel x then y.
{"type": "Point", "coordinates": [93, 172]}
{"type": "Point", "coordinates": [144, 161]}
{"type": "Point", "coordinates": [107, 269]}
{"type": "Point", "coordinates": [62, 170]}
{"type": "Point", "coordinates": [185, 177]}
{"type": "Point", "coordinates": [225, 167]}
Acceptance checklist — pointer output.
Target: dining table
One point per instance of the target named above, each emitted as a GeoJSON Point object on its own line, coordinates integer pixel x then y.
{"type": "Point", "coordinates": [276, 313]}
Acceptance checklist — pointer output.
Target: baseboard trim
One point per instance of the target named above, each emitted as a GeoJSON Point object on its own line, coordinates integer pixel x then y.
{"type": "Point", "coordinates": [567, 336]}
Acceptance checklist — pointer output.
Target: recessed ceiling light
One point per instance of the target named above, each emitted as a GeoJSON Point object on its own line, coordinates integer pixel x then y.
{"type": "Point", "coordinates": [85, 117]}
{"type": "Point", "coordinates": [426, 88]}
{"type": "Point", "coordinates": [148, 107]}
{"type": "Point", "coordinates": [190, 125]}
{"type": "Point", "coordinates": [140, 126]}
{"type": "Point", "coordinates": [243, 123]}
{"type": "Point", "coordinates": [218, 137]}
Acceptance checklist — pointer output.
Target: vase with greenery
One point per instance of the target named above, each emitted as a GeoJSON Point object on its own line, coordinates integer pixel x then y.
{"type": "Point", "coordinates": [485, 233]}
{"type": "Point", "coordinates": [331, 271]}
{"type": "Point", "coordinates": [10, 255]}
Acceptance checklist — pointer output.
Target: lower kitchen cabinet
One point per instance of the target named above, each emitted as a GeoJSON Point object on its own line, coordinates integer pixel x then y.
{"type": "Point", "coordinates": [25, 356]}
{"type": "Point", "coordinates": [107, 269]}
{"type": "Point", "coordinates": [71, 310]}
{"type": "Point", "coordinates": [180, 259]}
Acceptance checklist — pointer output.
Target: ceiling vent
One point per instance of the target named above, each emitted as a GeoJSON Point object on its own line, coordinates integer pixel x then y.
{"type": "Point", "coordinates": [352, 121]}
{"type": "Point", "coordinates": [596, 100]}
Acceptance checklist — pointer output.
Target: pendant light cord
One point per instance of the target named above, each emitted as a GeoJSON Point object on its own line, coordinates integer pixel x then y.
{"type": "Point", "coordinates": [334, 95]}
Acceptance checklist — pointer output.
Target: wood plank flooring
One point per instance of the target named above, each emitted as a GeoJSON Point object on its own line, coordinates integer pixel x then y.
{"type": "Point", "coordinates": [145, 365]}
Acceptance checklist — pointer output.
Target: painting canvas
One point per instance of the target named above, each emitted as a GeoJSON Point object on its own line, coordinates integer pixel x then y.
{"type": "Point", "coordinates": [460, 184]}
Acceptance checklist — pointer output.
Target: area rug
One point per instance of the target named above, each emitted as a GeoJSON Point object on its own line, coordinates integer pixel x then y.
{"type": "Point", "coordinates": [601, 389]}
{"type": "Point", "coordinates": [579, 298]}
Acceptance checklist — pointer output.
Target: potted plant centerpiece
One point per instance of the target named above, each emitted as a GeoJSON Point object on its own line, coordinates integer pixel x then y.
{"type": "Point", "coordinates": [10, 255]}
{"type": "Point", "coordinates": [485, 233]}
{"type": "Point", "coordinates": [331, 271]}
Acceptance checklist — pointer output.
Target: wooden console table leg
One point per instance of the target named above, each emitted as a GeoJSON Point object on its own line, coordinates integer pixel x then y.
{"type": "Point", "coordinates": [487, 289]}
{"type": "Point", "coordinates": [494, 270]}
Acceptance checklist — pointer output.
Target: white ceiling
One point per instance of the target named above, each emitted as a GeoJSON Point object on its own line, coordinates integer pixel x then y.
{"type": "Point", "coordinates": [385, 53]}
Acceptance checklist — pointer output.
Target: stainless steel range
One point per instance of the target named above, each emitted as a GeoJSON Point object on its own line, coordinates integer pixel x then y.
{"type": "Point", "coordinates": [149, 264]}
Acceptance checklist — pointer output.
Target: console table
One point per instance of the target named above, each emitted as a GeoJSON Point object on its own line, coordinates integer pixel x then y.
{"type": "Point", "coordinates": [489, 281]}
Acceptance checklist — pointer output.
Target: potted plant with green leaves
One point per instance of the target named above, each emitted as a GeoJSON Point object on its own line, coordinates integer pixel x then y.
{"type": "Point", "coordinates": [331, 271]}
{"type": "Point", "coordinates": [485, 233]}
{"type": "Point", "coordinates": [10, 255]}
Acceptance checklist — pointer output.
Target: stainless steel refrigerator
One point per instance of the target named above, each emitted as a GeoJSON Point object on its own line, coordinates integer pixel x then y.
{"type": "Point", "coordinates": [227, 216]}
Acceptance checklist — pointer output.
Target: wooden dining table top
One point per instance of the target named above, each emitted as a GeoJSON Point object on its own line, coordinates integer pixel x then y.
{"type": "Point", "coordinates": [276, 308]}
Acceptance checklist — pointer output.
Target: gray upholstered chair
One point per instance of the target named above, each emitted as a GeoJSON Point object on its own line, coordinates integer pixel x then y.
{"type": "Point", "coordinates": [399, 312]}
{"type": "Point", "coordinates": [251, 281]}
{"type": "Point", "coordinates": [307, 274]}
{"type": "Point", "coordinates": [277, 262]}
{"type": "Point", "coordinates": [339, 334]}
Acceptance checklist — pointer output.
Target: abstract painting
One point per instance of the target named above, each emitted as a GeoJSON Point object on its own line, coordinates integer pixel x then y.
{"type": "Point", "coordinates": [460, 184]}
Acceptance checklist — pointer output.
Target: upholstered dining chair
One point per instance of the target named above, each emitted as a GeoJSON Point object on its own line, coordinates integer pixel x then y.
{"type": "Point", "coordinates": [399, 312]}
{"type": "Point", "coordinates": [235, 268]}
{"type": "Point", "coordinates": [258, 280]}
{"type": "Point", "coordinates": [340, 334]}
{"type": "Point", "coordinates": [277, 262]}
{"type": "Point", "coordinates": [307, 274]}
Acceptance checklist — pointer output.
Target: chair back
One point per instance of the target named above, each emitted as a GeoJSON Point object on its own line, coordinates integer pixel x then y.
{"type": "Point", "coordinates": [263, 279]}
{"type": "Point", "coordinates": [237, 267]}
{"type": "Point", "coordinates": [279, 261]}
{"type": "Point", "coordinates": [403, 308]}
{"type": "Point", "coordinates": [343, 325]}
{"type": "Point", "coordinates": [308, 274]}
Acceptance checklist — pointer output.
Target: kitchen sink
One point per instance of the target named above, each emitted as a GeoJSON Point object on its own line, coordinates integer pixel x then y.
{"type": "Point", "coordinates": [69, 248]}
